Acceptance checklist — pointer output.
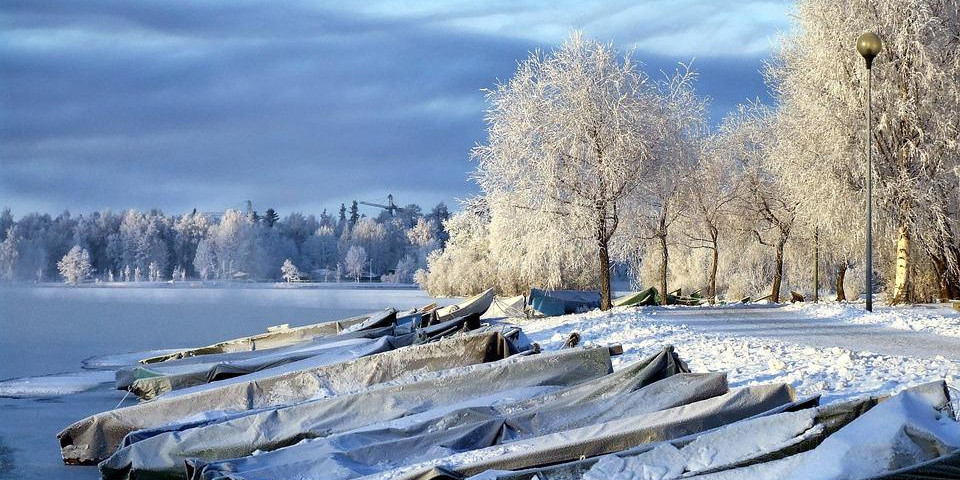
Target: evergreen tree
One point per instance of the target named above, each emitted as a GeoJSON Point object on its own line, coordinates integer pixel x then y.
{"type": "Point", "coordinates": [270, 217]}
{"type": "Point", "coordinates": [354, 214]}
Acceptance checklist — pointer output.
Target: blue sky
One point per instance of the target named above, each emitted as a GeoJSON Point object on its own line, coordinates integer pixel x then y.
{"type": "Point", "coordinates": [302, 105]}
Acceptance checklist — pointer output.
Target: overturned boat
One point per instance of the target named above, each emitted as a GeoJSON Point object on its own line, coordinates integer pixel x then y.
{"type": "Point", "coordinates": [273, 338]}
{"type": "Point", "coordinates": [96, 437]}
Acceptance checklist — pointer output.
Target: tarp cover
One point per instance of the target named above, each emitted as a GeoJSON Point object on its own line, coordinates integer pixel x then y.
{"type": "Point", "coordinates": [510, 307]}
{"type": "Point", "coordinates": [150, 381]}
{"type": "Point", "coordinates": [894, 439]}
{"type": "Point", "coordinates": [271, 339]}
{"type": "Point", "coordinates": [766, 439]}
{"type": "Point", "coordinates": [559, 302]}
{"type": "Point", "coordinates": [371, 450]}
{"type": "Point", "coordinates": [605, 437]}
{"type": "Point", "coordinates": [96, 437]}
{"type": "Point", "coordinates": [285, 426]}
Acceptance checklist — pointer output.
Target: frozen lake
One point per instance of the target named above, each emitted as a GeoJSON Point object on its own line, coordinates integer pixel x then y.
{"type": "Point", "coordinates": [51, 329]}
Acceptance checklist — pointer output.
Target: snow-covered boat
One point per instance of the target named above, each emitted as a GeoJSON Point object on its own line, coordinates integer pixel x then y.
{"type": "Point", "coordinates": [911, 435]}
{"type": "Point", "coordinates": [273, 338]}
{"type": "Point", "coordinates": [643, 297]}
{"type": "Point", "coordinates": [412, 403]}
{"type": "Point", "coordinates": [474, 425]}
{"type": "Point", "coordinates": [147, 382]}
{"type": "Point", "coordinates": [476, 304]}
{"type": "Point", "coordinates": [96, 437]}
{"type": "Point", "coordinates": [560, 302]}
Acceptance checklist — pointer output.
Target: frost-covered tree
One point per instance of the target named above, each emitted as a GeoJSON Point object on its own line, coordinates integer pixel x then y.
{"type": "Point", "coordinates": [153, 272]}
{"type": "Point", "coordinates": [567, 136]}
{"type": "Point", "coordinates": [205, 260]}
{"type": "Point", "coordinates": [9, 253]}
{"type": "Point", "coordinates": [189, 230]}
{"type": "Point", "coordinates": [289, 272]}
{"type": "Point", "coordinates": [233, 243]}
{"type": "Point", "coordinates": [465, 265]}
{"type": "Point", "coordinates": [142, 240]}
{"type": "Point", "coordinates": [423, 238]}
{"type": "Point", "coordinates": [320, 249]}
{"type": "Point", "coordinates": [356, 261]}
{"type": "Point", "coordinates": [820, 84]}
{"type": "Point", "coordinates": [669, 168]}
{"type": "Point", "coordinates": [373, 238]}
{"type": "Point", "coordinates": [711, 199]}
{"type": "Point", "coordinates": [75, 266]}
{"type": "Point", "coordinates": [6, 221]}
{"type": "Point", "coordinates": [771, 212]}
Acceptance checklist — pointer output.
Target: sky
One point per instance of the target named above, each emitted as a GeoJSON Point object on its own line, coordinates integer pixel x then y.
{"type": "Point", "coordinates": [303, 105]}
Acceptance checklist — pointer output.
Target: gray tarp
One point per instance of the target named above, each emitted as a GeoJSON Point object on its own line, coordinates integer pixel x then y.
{"type": "Point", "coordinates": [459, 326]}
{"type": "Point", "coordinates": [768, 437]}
{"type": "Point", "coordinates": [379, 448]}
{"type": "Point", "coordinates": [908, 432]}
{"type": "Point", "coordinates": [607, 437]}
{"type": "Point", "coordinates": [285, 426]}
{"type": "Point", "coordinates": [96, 437]}
{"type": "Point", "coordinates": [149, 382]}
{"type": "Point", "coordinates": [271, 339]}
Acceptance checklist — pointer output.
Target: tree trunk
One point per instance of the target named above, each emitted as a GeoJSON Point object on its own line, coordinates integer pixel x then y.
{"type": "Point", "coordinates": [948, 282]}
{"type": "Point", "coordinates": [603, 254]}
{"type": "Point", "coordinates": [841, 273]}
{"type": "Point", "coordinates": [777, 273]}
{"type": "Point", "coordinates": [604, 258]}
{"type": "Point", "coordinates": [664, 256]}
{"type": "Point", "coordinates": [901, 284]}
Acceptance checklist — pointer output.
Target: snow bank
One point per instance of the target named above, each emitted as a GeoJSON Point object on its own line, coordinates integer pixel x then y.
{"type": "Point", "coordinates": [940, 319]}
{"type": "Point", "coordinates": [837, 373]}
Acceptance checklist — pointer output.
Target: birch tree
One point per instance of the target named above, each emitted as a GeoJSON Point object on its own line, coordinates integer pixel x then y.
{"type": "Point", "coordinates": [568, 135]}
{"type": "Point", "coordinates": [356, 260]}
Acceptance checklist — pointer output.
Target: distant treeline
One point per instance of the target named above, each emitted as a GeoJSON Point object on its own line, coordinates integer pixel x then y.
{"type": "Point", "coordinates": [141, 246]}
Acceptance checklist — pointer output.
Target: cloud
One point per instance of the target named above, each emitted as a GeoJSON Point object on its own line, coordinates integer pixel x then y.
{"type": "Point", "coordinates": [299, 105]}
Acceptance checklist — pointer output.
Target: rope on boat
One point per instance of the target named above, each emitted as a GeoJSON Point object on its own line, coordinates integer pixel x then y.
{"type": "Point", "coordinates": [125, 395]}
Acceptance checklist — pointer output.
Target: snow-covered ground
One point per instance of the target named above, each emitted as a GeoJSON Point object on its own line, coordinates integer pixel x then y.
{"type": "Point", "coordinates": [754, 353]}
{"type": "Point", "coordinates": [939, 319]}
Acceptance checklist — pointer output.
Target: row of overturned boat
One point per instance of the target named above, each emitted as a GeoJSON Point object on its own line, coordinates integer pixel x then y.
{"type": "Point", "coordinates": [460, 392]}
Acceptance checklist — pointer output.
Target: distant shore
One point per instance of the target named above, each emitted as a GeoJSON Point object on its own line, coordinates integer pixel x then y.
{"type": "Point", "coordinates": [223, 284]}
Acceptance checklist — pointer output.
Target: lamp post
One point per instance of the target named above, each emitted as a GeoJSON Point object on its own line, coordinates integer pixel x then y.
{"type": "Point", "coordinates": [869, 45]}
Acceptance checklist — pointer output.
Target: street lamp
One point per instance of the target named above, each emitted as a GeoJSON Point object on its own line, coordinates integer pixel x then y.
{"type": "Point", "coordinates": [869, 45]}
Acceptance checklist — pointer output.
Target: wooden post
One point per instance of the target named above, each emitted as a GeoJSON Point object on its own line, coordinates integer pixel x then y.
{"type": "Point", "coordinates": [816, 264]}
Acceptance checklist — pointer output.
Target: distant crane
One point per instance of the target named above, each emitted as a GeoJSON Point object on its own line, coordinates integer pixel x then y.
{"type": "Point", "coordinates": [390, 206]}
